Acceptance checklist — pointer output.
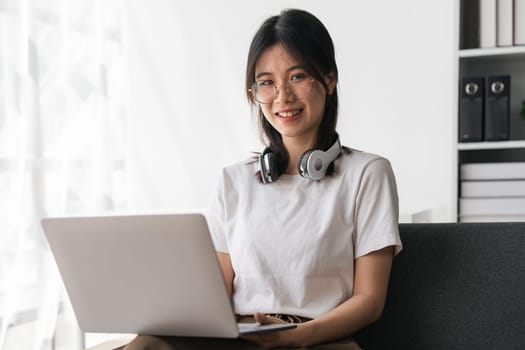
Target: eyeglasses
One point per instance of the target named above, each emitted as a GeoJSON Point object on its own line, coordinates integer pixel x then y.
{"type": "Point", "coordinates": [266, 91]}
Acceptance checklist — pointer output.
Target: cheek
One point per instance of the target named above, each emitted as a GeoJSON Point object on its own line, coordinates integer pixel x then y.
{"type": "Point", "coordinates": [320, 94]}
{"type": "Point", "coordinates": [318, 100]}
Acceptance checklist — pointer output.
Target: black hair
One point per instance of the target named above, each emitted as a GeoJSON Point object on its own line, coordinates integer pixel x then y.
{"type": "Point", "coordinates": [308, 41]}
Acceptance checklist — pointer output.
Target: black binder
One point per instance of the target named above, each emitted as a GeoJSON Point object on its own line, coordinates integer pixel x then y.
{"type": "Point", "coordinates": [471, 109]}
{"type": "Point", "coordinates": [469, 24]}
{"type": "Point", "coordinates": [497, 106]}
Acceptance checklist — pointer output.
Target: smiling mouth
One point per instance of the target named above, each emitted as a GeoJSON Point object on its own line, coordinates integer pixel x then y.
{"type": "Point", "coordinates": [289, 114]}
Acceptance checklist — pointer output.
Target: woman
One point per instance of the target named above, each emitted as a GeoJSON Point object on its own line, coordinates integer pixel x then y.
{"type": "Point", "coordinates": [307, 231]}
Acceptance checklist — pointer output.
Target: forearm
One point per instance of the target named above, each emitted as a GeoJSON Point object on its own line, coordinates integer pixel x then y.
{"type": "Point", "coordinates": [343, 321]}
{"type": "Point", "coordinates": [364, 307]}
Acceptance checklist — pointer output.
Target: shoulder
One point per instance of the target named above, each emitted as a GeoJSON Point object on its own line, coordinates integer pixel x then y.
{"type": "Point", "coordinates": [357, 161]}
{"type": "Point", "coordinates": [243, 169]}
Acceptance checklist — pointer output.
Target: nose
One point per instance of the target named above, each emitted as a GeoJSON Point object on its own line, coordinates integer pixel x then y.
{"type": "Point", "coordinates": [283, 93]}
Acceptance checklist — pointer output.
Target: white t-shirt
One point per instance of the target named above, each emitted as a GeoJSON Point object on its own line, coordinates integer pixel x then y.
{"type": "Point", "coordinates": [293, 242]}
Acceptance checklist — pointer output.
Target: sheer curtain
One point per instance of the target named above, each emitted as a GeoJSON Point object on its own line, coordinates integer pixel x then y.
{"type": "Point", "coordinates": [62, 136]}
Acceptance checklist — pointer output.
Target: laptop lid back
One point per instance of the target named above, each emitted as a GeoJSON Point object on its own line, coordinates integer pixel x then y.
{"type": "Point", "coordinates": [145, 274]}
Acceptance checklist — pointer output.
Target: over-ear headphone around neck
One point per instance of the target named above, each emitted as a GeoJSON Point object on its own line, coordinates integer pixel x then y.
{"type": "Point", "coordinates": [312, 163]}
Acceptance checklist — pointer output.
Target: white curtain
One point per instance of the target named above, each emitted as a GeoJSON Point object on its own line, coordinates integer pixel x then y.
{"type": "Point", "coordinates": [62, 135]}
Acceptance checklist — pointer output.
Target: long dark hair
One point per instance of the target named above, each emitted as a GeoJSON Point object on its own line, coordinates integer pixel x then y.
{"type": "Point", "coordinates": [308, 41]}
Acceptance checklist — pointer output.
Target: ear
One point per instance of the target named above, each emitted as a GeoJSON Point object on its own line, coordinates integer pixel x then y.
{"type": "Point", "coordinates": [331, 82]}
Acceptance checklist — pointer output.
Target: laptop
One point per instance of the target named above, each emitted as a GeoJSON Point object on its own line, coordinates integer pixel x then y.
{"type": "Point", "coordinates": [145, 274]}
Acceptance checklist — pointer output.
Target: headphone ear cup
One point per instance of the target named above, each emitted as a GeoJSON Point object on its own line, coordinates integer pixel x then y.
{"type": "Point", "coordinates": [268, 168]}
{"type": "Point", "coordinates": [303, 162]}
{"type": "Point", "coordinates": [313, 164]}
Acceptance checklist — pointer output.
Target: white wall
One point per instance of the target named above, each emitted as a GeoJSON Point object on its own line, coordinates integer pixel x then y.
{"type": "Point", "coordinates": [189, 116]}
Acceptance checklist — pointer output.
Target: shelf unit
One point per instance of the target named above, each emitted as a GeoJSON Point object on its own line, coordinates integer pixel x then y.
{"type": "Point", "coordinates": [490, 62]}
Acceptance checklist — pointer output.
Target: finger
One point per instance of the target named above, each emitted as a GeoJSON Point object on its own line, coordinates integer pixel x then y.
{"type": "Point", "coordinates": [265, 319]}
{"type": "Point", "coordinates": [261, 318]}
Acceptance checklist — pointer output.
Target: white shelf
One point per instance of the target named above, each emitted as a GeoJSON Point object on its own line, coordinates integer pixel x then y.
{"type": "Point", "coordinates": [491, 145]}
{"type": "Point", "coordinates": [495, 51]}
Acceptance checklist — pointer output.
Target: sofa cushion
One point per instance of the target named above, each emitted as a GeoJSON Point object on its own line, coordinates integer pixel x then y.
{"type": "Point", "coordinates": [454, 286]}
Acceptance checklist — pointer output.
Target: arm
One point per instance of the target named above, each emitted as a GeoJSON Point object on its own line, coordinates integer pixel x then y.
{"type": "Point", "coordinates": [372, 272]}
{"type": "Point", "coordinates": [227, 271]}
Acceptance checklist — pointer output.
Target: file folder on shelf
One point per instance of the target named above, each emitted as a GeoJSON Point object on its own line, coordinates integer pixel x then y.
{"type": "Point", "coordinates": [492, 171]}
{"type": "Point", "coordinates": [492, 206]}
{"type": "Point", "coordinates": [505, 28]}
{"type": "Point", "coordinates": [487, 20]}
{"type": "Point", "coordinates": [494, 188]}
{"type": "Point", "coordinates": [519, 22]}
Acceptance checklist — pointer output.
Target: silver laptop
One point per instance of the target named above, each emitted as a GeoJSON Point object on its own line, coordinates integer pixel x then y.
{"type": "Point", "coordinates": [145, 274]}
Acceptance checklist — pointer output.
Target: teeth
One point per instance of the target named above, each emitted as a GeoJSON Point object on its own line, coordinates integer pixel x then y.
{"type": "Point", "coordinates": [289, 114]}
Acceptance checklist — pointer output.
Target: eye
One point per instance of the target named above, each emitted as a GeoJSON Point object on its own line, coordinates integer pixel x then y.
{"type": "Point", "coordinates": [297, 77]}
{"type": "Point", "coordinates": [262, 83]}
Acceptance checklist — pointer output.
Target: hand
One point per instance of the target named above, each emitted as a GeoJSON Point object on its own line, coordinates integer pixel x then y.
{"type": "Point", "coordinates": [286, 338]}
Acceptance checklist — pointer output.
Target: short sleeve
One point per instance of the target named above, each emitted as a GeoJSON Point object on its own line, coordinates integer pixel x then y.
{"type": "Point", "coordinates": [216, 218]}
{"type": "Point", "coordinates": [376, 210]}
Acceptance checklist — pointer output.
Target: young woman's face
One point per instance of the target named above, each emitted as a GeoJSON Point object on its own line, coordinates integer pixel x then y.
{"type": "Point", "coordinates": [297, 109]}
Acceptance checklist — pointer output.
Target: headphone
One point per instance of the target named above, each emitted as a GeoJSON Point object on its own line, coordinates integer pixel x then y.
{"type": "Point", "coordinates": [312, 163]}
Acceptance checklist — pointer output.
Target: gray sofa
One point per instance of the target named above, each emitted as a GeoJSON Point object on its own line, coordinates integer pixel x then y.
{"type": "Point", "coordinates": [454, 286]}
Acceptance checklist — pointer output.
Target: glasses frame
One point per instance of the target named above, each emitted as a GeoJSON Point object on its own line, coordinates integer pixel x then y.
{"type": "Point", "coordinates": [277, 88]}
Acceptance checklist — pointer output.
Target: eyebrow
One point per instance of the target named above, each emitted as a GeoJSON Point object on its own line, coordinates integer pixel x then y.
{"type": "Point", "coordinates": [297, 66]}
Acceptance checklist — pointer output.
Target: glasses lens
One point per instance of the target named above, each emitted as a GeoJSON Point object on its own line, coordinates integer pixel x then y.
{"type": "Point", "coordinates": [264, 92]}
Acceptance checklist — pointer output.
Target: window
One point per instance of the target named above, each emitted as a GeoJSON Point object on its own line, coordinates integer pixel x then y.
{"type": "Point", "coordinates": [62, 136]}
